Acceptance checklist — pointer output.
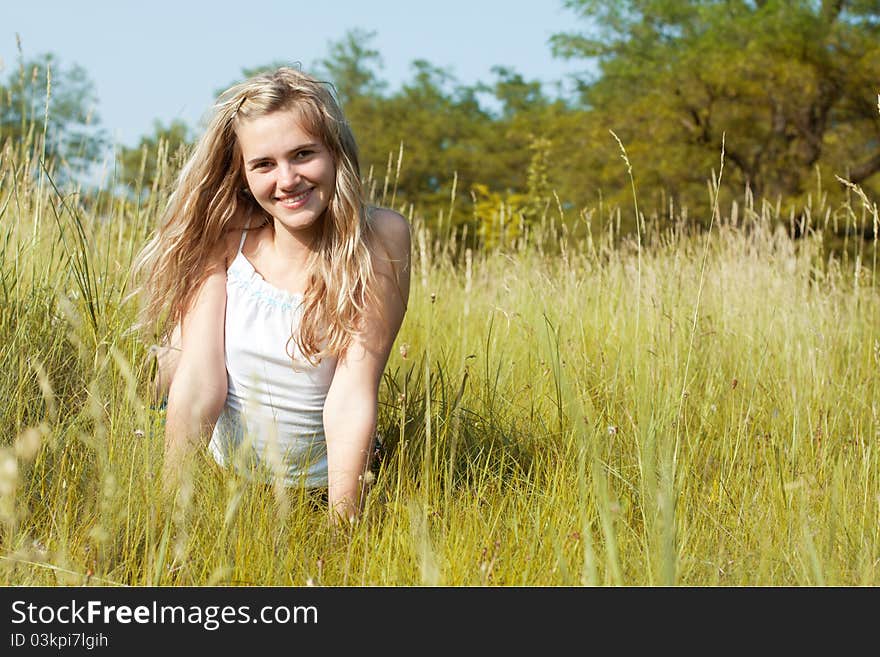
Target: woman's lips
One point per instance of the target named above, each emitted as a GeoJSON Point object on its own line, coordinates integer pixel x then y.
{"type": "Point", "coordinates": [293, 201]}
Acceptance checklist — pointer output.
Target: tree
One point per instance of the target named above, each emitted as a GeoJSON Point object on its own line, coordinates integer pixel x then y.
{"type": "Point", "coordinates": [73, 138]}
{"type": "Point", "coordinates": [145, 167]}
{"type": "Point", "coordinates": [791, 84]}
{"type": "Point", "coordinates": [351, 65]}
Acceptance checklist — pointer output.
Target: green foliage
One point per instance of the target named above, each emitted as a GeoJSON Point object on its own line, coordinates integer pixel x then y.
{"type": "Point", "coordinates": [538, 186]}
{"type": "Point", "coordinates": [503, 218]}
{"type": "Point", "coordinates": [150, 165]}
{"type": "Point", "coordinates": [52, 108]}
{"type": "Point", "coordinates": [351, 64]}
{"type": "Point", "coordinates": [792, 85]}
{"type": "Point", "coordinates": [499, 217]}
{"type": "Point", "coordinates": [516, 94]}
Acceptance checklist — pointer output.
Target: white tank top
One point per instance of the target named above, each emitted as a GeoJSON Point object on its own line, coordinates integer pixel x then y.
{"type": "Point", "coordinates": [272, 424]}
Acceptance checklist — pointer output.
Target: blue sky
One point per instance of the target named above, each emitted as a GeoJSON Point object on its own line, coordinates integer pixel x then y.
{"type": "Point", "coordinates": [163, 60]}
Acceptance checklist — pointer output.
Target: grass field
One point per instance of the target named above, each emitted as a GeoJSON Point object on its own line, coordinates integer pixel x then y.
{"type": "Point", "coordinates": [676, 407]}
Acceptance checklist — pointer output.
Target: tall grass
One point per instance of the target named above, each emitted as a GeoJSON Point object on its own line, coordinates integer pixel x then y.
{"type": "Point", "coordinates": [578, 407]}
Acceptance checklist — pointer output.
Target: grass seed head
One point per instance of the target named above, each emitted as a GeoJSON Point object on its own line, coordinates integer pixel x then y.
{"type": "Point", "coordinates": [28, 443]}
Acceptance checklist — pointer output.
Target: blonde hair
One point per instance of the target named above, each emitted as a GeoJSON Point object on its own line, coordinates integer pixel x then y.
{"type": "Point", "coordinates": [211, 194]}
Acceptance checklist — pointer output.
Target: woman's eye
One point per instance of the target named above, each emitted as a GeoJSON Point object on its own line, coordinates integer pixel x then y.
{"type": "Point", "coordinates": [303, 154]}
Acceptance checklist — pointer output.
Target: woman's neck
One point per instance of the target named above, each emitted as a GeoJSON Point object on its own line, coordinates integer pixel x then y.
{"type": "Point", "coordinates": [294, 247]}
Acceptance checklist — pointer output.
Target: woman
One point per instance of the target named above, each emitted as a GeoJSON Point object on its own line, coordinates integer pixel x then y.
{"type": "Point", "coordinates": [279, 291]}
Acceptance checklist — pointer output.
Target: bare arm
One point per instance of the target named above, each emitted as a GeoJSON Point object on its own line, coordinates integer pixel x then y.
{"type": "Point", "coordinates": [198, 389]}
{"type": "Point", "coordinates": [350, 409]}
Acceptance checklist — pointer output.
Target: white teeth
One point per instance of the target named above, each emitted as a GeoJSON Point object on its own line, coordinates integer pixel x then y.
{"type": "Point", "coordinates": [295, 199]}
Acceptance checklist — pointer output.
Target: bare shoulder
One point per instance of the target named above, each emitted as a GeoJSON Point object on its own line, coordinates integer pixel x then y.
{"type": "Point", "coordinates": [392, 231]}
{"type": "Point", "coordinates": [224, 251]}
{"type": "Point", "coordinates": [391, 256]}
{"type": "Point", "coordinates": [229, 244]}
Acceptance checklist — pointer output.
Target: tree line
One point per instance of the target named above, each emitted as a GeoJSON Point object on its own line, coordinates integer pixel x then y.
{"type": "Point", "coordinates": [789, 88]}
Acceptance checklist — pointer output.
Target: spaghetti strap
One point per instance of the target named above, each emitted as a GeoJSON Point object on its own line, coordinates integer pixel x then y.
{"type": "Point", "coordinates": [244, 235]}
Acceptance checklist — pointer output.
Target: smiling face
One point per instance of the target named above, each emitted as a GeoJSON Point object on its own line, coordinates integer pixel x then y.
{"type": "Point", "coordinates": [290, 173]}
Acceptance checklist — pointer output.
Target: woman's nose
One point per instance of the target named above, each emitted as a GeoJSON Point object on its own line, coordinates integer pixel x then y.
{"type": "Point", "coordinates": [288, 177]}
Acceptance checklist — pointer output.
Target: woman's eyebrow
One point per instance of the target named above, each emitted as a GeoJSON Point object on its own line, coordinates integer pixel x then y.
{"type": "Point", "coordinates": [292, 150]}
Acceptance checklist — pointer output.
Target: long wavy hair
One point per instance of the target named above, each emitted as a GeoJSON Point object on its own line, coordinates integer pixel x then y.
{"type": "Point", "coordinates": [211, 198]}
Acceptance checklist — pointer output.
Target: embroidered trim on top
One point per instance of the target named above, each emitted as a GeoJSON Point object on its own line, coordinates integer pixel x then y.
{"type": "Point", "coordinates": [259, 288]}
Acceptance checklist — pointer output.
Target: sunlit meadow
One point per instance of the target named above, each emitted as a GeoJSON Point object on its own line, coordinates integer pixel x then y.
{"type": "Point", "coordinates": [573, 407]}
